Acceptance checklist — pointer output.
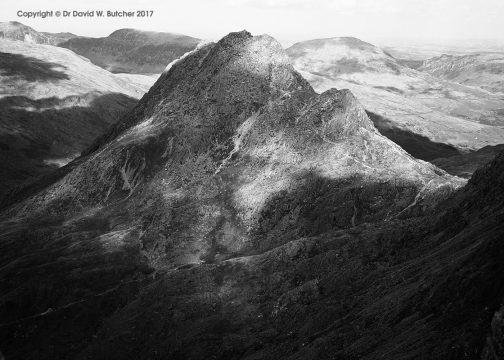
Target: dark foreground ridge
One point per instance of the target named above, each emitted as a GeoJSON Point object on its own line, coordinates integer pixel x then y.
{"type": "Point", "coordinates": [236, 214]}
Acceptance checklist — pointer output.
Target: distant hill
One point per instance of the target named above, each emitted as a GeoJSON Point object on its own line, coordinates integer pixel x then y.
{"type": "Point", "coordinates": [133, 51]}
{"type": "Point", "coordinates": [409, 49]}
{"type": "Point", "coordinates": [485, 70]}
{"type": "Point", "coordinates": [14, 30]}
{"type": "Point", "coordinates": [428, 116]}
{"type": "Point", "coordinates": [343, 55]}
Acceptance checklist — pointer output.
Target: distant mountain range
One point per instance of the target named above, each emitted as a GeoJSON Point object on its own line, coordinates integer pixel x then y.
{"type": "Point", "coordinates": [123, 51]}
{"type": "Point", "coordinates": [427, 115]}
{"type": "Point", "coordinates": [132, 51]}
{"type": "Point", "coordinates": [485, 70]}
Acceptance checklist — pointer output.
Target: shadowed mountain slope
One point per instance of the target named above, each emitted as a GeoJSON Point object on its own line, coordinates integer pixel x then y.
{"type": "Point", "coordinates": [133, 51]}
{"type": "Point", "coordinates": [236, 214]}
{"type": "Point", "coordinates": [53, 103]}
{"type": "Point", "coordinates": [464, 165]}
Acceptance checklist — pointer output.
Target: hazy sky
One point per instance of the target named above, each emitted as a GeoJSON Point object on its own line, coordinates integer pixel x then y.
{"type": "Point", "coordinates": [287, 20]}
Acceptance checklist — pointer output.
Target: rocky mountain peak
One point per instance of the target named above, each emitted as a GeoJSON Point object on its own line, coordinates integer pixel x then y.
{"type": "Point", "coordinates": [234, 38]}
{"type": "Point", "coordinates": [259, 56]}
{"type": "Point", "coordinates": [218, 84]}
{"type": "Point", "coordinates": [341, 113]}
{"type": "Point", "coordinates": [261, 51]}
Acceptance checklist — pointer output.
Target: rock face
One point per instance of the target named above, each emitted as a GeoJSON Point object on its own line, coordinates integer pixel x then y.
{"type": "Point", "coordinates": [133, 51]}
{"type": "Point", "coordinates": [235, 213]}
{"type": "Point", "coordinates": [428, 116]}
{"type": "Point", "coordinates": [53, 104]}
{"type": "Point", "coordinates": [14, 30]}
{"type": "Point", "coordinates": [485, 70]}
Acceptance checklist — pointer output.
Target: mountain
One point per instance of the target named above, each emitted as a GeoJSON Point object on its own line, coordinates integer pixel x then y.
{"type": "Point", "coordinates": [14, 30]}
{"type": "Point", "coordinates": [231, 195]}
{"type": "Point", "coordinates": [485, 70]}
{"type": "Point", "coordinates": [235, 213]}
{"type": "Point", "coordinates": [133, 51]}
{"type": "Point", "coordinates": [427, 116]}
{"type": "Point", "coordinates": [53, 103]}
